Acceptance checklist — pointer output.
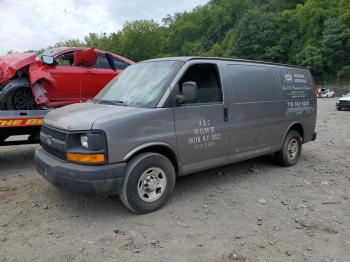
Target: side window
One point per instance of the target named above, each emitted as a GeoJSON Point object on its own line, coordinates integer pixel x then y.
{"type": "Point", "coordinates": [253, 83]}
{"type": "Point", "coordinates": [66, 59]}
{"type": "Point", "coordinates": [120, 65]}
{"type": "Point", "coordinates": [208, 82]}
{"type": "Point", "coordinates": [102, 62]}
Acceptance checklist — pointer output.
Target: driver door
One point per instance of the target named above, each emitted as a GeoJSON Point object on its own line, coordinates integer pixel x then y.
{"type": "Point", "coordinates": [201, 126]}
{"type": "Point", "coordinates": [73, 82]}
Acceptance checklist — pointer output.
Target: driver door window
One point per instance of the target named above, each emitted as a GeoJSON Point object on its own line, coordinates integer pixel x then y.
{"type": "Point", "coordinates": [206, 77]}
{"type": "Point", "coordinates": [67, 59]}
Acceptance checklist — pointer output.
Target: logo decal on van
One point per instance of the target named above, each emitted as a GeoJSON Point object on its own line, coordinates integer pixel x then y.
{"type": "Point", "coordinates": [288, 77]}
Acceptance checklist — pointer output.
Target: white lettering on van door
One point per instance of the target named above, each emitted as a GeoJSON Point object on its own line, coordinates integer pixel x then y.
{"type": "Point", "coordinates": [295, 86]}
{"type": "Point", "coordinates": [204, 135]}
{"type": "Point", "coordinates": [248, 151]}
{"type": "Point", "coordinates": [298, 107]}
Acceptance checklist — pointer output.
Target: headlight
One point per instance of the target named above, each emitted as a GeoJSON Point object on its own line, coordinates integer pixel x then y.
{"type": "Point", "coordinates": [84, 140]}
{"type": "Point", "coordinates": [88, 147]}
{"type": "Point", "coordinates": [338, 101]}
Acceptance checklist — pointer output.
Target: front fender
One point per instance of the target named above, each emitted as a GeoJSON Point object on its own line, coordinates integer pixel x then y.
{"type": "Point", "coordinates": [139, 148]}
{"type": "Point", "coordinates": [42, 83]}
{"type": "Point", "coordinates": [38, 73]}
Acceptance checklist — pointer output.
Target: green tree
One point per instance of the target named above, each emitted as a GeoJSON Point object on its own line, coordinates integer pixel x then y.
{"type": "Point", "coordinates": [140, 40]}
{"type": "Point", "coordinates": [336, 44]}
{"type": "Point", "coordinates": [311, 58]}
{"type": "Point", "coordinates": [256, 34]}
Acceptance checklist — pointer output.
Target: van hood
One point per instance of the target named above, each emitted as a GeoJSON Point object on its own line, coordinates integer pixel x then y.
{"type": "Point", "coordinates": [9, 64]}
{"type": "Point", "coordinates": [81, 117]}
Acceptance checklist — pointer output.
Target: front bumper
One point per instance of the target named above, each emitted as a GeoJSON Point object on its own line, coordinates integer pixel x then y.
{"type": "Point", "coordinates": [342, 105]}
{"type": "Point", "coordinates": [90, 180]}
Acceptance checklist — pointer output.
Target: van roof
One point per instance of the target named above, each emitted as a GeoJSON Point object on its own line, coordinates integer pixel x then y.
{"type": "Point", "coordinates": [188, 58]}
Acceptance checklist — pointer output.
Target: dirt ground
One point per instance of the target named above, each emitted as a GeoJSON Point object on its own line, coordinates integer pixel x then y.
{"type": "Point", "coordinates": [251, 211]}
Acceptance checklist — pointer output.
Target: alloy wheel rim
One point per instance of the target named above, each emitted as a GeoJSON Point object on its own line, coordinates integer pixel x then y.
{"type": "Point", "coordinates": [24, 100]}
{"type": "Point", "coordinates": [151, 185]}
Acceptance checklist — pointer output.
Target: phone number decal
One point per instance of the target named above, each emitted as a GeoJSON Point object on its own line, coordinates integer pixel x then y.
{"type": "Point", "coordinates": [295, 104]}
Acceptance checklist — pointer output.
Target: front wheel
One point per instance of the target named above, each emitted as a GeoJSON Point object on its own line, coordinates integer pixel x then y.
{"type": "Point", "coordinates": [148, 183]}
{"type": "Point", "coordinates": [338, 108]}
{"type": "Point", "coordinates": [21, 99]}
{"type": "Point", "coordinates": [291, 149]}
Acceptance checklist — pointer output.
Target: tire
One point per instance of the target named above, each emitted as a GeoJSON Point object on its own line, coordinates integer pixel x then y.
{"type": "Point", "coordinates": [3, 138]}
{"type": "Point", "coordinates": [21, 99]}
{"type": "Point", "coordinates": [291, 149]}
{"type": "Point", "coordinates": [144, 196]}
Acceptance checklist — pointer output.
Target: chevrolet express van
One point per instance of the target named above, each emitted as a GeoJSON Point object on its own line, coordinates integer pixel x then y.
{"type": "Point", "coordinates": [170, 117]}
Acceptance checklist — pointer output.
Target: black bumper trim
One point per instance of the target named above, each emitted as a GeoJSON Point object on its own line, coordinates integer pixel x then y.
{"type": "Point", "coordinates": [90, 180]}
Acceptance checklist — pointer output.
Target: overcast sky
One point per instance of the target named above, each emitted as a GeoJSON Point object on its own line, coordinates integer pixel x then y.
{"type": "Point", "coordinates": [32, 24]}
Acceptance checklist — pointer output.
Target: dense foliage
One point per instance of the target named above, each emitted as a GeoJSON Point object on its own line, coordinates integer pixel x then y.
{"type": "Point", "coordinates": [311, 33]}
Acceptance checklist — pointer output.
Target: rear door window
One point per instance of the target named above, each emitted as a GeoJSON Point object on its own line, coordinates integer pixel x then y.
{"type": "Point", "coordinates": [120, 65]}
{"type": "Point", "coordinates": [102, 62]}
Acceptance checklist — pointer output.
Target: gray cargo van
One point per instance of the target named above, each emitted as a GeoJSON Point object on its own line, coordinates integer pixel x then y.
{"type": "Point", "coordinates": [170, 117]}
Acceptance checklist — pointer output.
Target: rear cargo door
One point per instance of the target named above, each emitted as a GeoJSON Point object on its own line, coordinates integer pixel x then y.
{"type": "Point", "coordinates": [256, 118]}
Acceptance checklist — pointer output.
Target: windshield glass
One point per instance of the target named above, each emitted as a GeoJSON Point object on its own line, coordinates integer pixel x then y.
{"type": "Point", "coordinates": [140, 85]}
{"type": "Point", "coordinates": [53, 51]}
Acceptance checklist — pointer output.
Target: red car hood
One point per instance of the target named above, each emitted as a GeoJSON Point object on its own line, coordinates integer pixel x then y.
{"type": "Point", "coordinates": [9, 64]}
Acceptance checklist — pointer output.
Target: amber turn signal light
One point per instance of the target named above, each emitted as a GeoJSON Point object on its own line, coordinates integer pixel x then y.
{"type": "Point", "coordinates": [82, 158]}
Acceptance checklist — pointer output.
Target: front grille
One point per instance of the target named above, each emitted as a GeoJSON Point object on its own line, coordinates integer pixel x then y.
{"type": "Point", "coordinates": [55, 133]}
{"type": "Point", "coordinates": [344, 103]}
{"type": "Point", "coordinates": [53, 141]}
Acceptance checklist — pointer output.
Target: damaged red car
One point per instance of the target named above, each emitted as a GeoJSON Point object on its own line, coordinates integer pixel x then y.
{"type": "Point", "coordinates": [59, 77]}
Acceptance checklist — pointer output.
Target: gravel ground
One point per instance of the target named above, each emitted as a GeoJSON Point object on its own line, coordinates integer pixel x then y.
{"type": "Point", "coordinates": [251, 211]}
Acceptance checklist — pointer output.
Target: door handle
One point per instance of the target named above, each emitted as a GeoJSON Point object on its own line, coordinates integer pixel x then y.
{"type": "Point", "coordinates": [225, 114]}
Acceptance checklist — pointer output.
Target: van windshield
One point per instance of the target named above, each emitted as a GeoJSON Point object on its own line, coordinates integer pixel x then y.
{"type": "Point", "coordinates": [140, 85]}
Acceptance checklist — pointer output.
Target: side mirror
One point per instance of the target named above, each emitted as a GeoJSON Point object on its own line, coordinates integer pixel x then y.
{"type": "Point", "coordinates": [48, 60]}
{"type": "Point", "coordinates": [189, 93]}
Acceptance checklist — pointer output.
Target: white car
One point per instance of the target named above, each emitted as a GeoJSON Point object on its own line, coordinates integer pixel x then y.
{"type": "Point", "coordinates": [327, 93]}
{"type": "Point", "coordinates": [343, 102]}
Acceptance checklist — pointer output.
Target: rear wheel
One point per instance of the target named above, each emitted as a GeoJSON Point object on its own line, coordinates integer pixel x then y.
{"type": "Point", "coordinates": [148, 183]}
{"type": "Point", "coordinates": [21, 99]}
{"type": "Point", "coordinates": [291, 149]}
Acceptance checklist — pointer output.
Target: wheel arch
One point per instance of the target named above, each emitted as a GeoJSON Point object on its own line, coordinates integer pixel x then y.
{"type": "Point", "coordinates": [297, 126]}
{"type": "Point", "coordinates": [160, 148]}
{"type": "Point", "coordinates": [41, 88]}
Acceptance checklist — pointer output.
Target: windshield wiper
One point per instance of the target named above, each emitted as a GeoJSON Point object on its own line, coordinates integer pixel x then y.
{"type": "Point", "coordinates": [112, 102]}
{"type": "Point", "coordinates": [94, 100]}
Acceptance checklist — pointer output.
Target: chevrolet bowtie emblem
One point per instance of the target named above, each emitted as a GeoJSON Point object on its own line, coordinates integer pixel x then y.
{"type": "Point", "coordinates": [49, 140]}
